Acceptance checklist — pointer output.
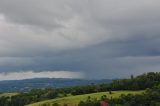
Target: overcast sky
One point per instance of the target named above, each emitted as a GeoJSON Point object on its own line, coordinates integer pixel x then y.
{"type": "Point", "coordinates": [92, 39]}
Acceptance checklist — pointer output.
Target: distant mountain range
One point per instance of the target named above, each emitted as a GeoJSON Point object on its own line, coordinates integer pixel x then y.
{"type": "Point", "coordinates": [28, 84]}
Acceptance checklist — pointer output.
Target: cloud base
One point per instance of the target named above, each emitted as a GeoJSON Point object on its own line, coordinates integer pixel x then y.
{"type": "Point", "coordinates": [44, 74]}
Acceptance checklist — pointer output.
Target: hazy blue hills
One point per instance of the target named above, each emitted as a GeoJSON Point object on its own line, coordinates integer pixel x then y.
{"type": "Point", "coordinates": [27, 84]}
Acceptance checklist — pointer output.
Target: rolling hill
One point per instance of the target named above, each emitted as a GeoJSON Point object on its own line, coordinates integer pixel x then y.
{"type": "Point", "coordinates": [74, 100]}
{"type": "Point", "coordinates": [28, 84]}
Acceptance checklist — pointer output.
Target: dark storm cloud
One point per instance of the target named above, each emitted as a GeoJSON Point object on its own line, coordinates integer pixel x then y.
{"type": "Point", "coordinates": [101, 38]}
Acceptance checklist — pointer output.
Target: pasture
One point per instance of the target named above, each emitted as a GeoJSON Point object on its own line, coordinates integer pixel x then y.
{"type": "Point", "coordinates": [74, 100]}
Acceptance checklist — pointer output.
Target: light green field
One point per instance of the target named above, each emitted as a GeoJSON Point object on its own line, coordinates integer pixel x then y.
{"type": "Point", "coordinates": [74, 100]}
{"type": "Point", "coordinates": [8, 94]}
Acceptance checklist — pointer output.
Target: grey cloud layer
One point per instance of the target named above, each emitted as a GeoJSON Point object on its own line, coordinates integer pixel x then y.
{"type": "Point", "coordinates": [102, 38]}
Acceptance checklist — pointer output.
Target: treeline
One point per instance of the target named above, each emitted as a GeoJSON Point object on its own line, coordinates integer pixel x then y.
{"type": "Point", "coordinates": [138, 83]}
{"type": "Point", "coordinates": [150, 98]}
{"type": "Point", "coordinates": [141, 82]}
{"type": "Point", "coordinates": [34, 95]}
{"type": "Point", "coordinates": [134, 83]}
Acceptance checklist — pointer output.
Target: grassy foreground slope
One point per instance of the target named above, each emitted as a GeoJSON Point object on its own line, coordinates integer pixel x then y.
{"type": "Point", "coordinates": [74, 100]}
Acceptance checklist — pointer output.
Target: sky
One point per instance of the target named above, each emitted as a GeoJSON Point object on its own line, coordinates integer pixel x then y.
{"type": "Point", "coordinates": [90, 39]}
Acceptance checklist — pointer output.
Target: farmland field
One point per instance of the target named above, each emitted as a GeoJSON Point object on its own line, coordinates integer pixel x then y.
{"type": "Point", "coordinates": [8, 94]}
{"type": "Point", "coordinates": [74, 100]}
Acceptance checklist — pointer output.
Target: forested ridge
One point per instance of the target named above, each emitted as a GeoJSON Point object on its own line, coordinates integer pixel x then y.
{"type": "Point", "coordinates": [29, 84]}
{"type": "Point", "coordinates": [149, 81]}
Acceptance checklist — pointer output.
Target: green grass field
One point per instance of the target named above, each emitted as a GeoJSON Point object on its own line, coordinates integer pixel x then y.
{"type": "Point", "coordinates": [74, 100]}
{"type": "Point", "coordinates": [8, 94]}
